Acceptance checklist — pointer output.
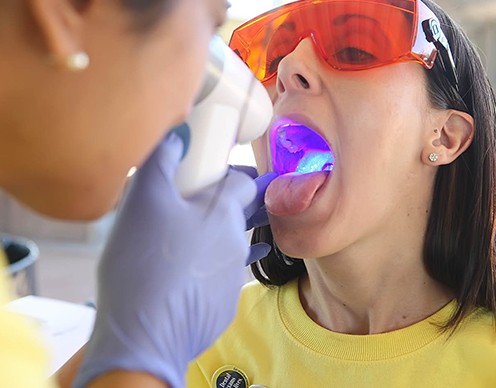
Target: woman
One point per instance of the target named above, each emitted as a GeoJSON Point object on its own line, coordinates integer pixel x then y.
{"type": "Point", "coordinates": [89, 90]}
{"type": "Point", "coordinates": [383, 269]}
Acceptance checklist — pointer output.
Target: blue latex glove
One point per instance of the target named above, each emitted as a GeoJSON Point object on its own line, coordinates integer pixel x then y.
{"type": "Point", "coordinates": [171, 272]}
{"type": "Point", "coordinates": [255, 213]}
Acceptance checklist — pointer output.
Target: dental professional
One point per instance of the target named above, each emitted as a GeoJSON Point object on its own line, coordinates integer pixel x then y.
{"type": "Point", "coordinates": [88, 90]}
{"type": "Point", "coordinates": [383, 267]}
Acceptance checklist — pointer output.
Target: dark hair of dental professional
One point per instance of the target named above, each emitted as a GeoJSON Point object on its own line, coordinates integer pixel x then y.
{"type": "Point", "coordinates": [149, 11]}
{"type": "Point", "coordinates": [149, 5]}
{"type": "Point", "coordinates": [459, 245]}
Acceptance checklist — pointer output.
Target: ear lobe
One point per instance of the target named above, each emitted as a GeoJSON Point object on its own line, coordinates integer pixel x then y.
{"type": "Point", "coordinates": [452, 139]}
{"type": "Point", "coordinates": [60, 24]}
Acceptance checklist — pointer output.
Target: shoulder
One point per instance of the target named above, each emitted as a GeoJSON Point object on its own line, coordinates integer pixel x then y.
{"type": "Point", "coordinates": [478, 328]}
{"type": "Point", "coordinates": [475, 340]}
{"type": "Point", "coordinates": [256, 296]}
{"type": "Point", "coordinates": [253, 292]}
{"type": "Point", "coordinates": [25, 362]}
{"type": "Point", "coordinates": [473, 345]}
{"type": "Point", "coordinates": [248, 334]}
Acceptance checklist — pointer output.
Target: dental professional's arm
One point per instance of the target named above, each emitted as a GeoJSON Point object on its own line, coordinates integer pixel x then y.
{"type": "Point", "coordinates": [169, 278]}
{"type": "Point", "coordinates": [255, 215]}
{"type": "Point", "coordinates": [66, 375]}
{"type": "Point", "coordinates": [127, 379]}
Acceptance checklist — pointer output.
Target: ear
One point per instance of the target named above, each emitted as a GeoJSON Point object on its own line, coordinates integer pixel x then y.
{"type": "Point", "coordinates": [60, 23]}
{"type": "Point", "coordinates": [454, 136]}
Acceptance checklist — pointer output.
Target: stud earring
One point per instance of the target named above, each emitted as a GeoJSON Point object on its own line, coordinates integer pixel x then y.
{"type": "Point", "coordinates": [78, 61]}
{"type": "Point", "coordinates": [433, 157]}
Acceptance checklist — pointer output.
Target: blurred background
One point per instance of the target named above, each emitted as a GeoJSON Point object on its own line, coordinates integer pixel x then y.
{"type": "Point", "coordinates": [68, 251]}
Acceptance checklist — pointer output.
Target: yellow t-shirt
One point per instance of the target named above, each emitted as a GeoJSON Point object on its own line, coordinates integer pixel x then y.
{"type": "Point", "coordinates": [23, 361]}
{"type": "Point", "coordinates": [273, 342]}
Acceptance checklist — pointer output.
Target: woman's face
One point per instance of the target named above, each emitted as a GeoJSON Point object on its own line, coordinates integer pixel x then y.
{"type": "Point", "coordinates": [69, 139]}
{"type": "Point", "coordinates": [376, 122]}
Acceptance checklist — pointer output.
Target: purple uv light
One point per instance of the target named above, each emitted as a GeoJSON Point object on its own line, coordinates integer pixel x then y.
{"type": "Point", "coordinates": [296, 148]}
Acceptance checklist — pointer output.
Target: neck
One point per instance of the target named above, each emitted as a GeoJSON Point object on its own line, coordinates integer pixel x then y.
{"type": "Point", "coordinates": [367, 291]}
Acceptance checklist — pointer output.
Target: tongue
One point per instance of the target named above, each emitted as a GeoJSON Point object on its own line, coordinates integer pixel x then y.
{"type": "Point", "coordinates": [292, 194]}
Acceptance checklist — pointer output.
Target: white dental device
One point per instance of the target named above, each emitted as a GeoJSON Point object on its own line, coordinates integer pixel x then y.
{"type": "Point", "coordinates": [232, 108]}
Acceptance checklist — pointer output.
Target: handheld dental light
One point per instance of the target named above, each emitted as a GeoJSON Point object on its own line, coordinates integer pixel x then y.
{"type": "Point", "coordinates": [232, 108]}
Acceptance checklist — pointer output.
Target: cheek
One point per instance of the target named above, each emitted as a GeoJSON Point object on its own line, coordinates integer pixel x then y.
{"type": "Point", "coordinates": [179, 63]}
{"type": "Point", "coordinates": [182, 83]}
{"type": "Point", "coordinates": [270, 86]}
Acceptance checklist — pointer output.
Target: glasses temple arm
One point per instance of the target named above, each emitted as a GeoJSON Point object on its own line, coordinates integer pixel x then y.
{"type": "Point", "coordinates": [435, 35]}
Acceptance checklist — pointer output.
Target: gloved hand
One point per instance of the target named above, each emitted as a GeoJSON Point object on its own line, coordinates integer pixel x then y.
{"type": "Point", "coordinates": [171, 272]}
{"type": "Point", "coordinates": [255, 213]}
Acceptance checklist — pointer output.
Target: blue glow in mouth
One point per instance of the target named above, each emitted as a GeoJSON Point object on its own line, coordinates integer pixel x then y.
{"type": "Point", "coordinates": [297, 148]}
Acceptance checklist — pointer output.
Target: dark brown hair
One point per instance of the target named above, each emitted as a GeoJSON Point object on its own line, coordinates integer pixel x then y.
{"type": "Point", "coordinates": [149, 12]}
{"type": "Point", "coordinates": [459, 246]}
{"type": "Point", "coordinates": [147, 5]}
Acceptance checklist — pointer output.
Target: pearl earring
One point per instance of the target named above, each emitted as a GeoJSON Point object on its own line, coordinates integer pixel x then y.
{"type": "Point", "coordinates": [433, 157]}
{"type": "Point", "coordinates": [78, 61]}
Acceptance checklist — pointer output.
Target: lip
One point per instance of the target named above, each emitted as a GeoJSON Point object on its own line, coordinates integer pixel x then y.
{"type": "Point", "coordinates": [304, 120]}
{"type": "Point", "coordinates": [289, 163]}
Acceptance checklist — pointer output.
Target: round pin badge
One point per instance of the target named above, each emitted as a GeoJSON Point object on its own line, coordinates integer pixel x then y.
{"type": "Point", "coordinates": [229, 377]}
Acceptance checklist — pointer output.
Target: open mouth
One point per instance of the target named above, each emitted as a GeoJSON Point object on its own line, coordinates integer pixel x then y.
{"type": "Point", "coordinates": [296, 148]}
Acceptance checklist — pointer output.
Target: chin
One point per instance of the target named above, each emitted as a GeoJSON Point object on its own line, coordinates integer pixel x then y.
{"type": "Point", "coordinates": [75, 204]}
{"type": "Point", "coordinates": [82, 209]}
{"type": "Point", "coordinates": [301, 242]}
{"type": "Point", "coordinates": [298, 246]}
{"type": "Point", "coordinates": [76, 200]}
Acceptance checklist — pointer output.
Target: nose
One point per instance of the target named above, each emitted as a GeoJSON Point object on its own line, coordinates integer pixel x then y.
{"type": "Point", "coordinates": [299, 70]}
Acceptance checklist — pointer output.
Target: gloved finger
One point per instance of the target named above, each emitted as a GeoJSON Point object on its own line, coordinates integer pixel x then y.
{"type": "Point", "coordinates": [155, 178]}
{"type": "Point", "coordinates": [184, 132]}
{"type": "Point", "coordinates": [168, 154]}
{"type": "Point", "coordinates": [262, 182]}
{"type": "Point", "coordinates": [238, 185]}
{"type": "Point", "coordinates": [258, 251]}
{"type": "Point", "coordinates": [260, 218]}
{"type": "Point", "coordinates": [249, 170]}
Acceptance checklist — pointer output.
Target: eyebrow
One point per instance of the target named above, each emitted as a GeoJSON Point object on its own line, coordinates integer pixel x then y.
{"type": "Point", "coordinates": [340, 20]}
{"type": "Point", "coordinates": [343, 19]}
{"type": "Point", "coordinates": [290, 26]}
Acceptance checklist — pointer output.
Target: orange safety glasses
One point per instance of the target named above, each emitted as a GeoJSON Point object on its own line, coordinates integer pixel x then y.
{"type": "Point", "coordinates": [350, 35]}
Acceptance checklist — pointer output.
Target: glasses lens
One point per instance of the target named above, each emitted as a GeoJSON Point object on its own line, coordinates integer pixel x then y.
{"type": "Point", "coordinates": [350, 34]}
{"type": "Point", "coordinates": [253, 40]}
